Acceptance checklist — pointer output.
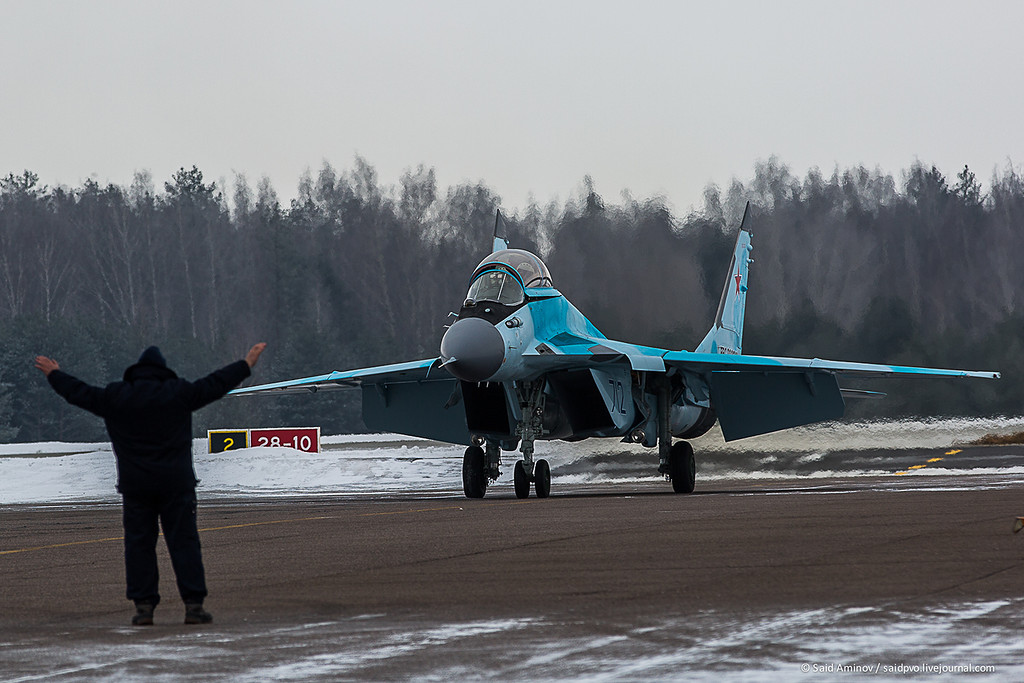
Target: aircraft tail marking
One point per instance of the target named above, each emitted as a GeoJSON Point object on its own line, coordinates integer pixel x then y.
{"type": "Point", "coordinates": [726, 335]}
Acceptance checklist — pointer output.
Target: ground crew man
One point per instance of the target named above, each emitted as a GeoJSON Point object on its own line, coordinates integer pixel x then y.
{"type": "Point", "coordinates": [148, 416]}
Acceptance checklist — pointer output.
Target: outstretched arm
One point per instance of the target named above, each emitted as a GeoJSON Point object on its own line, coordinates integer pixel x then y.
{"type": "Point", "coordinates": [75, 391]}
{"type": "Point", "coordinates": [217, 383]}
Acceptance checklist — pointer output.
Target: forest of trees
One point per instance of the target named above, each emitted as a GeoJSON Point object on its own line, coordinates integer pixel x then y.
{"type": "Point", "coordinates": [855, 265]}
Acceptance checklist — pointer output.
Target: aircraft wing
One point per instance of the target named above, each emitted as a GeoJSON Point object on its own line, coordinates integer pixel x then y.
{"type": "Point", "coordinates": [415, 398]}
{"type": "Point", "coordinates": [704, 362]}
{"type": "Point", "coordinates": [754, 395]}
{"type": "Point", "coordinates": [750, 395]}
{"type": "Point", "coordinates": [579, 351]}
{"type": "Point", "coordinates": [414, 371]}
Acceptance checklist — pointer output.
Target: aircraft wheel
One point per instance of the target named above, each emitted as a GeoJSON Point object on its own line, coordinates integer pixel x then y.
{"type": "Point", "coordinates": [682, 467]}
{"type": "Point", "coordinates": [474, 476]}
{"type": "Point", "coordinates": [542, 478]}
{"type": "Point", "coordinates": [522, 481]}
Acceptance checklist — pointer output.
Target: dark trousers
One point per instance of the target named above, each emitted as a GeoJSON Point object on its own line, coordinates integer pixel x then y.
{"type": "Point", "coordinates": [176, 512]}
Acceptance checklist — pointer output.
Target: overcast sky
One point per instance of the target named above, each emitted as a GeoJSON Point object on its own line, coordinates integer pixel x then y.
{"type": "Point", "coordinates": [529, 97]}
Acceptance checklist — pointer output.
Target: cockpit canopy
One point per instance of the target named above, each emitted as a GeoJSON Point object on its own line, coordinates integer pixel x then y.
{"type": "Point", "coordinates": [502, 276]}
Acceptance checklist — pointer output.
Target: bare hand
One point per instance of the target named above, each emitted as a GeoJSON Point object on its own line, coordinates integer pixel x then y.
{"type": "Point", "coordinates": [254, 353]}
{"type": "Point", "coordinates": [46, 365]}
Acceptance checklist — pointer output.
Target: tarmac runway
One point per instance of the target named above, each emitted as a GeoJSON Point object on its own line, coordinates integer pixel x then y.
{"type": "Point", "coordinates": [766, 579]}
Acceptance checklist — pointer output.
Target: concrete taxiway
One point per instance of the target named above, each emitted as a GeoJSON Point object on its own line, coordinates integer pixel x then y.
{"type": "Point", "coordinates": [300, 587]}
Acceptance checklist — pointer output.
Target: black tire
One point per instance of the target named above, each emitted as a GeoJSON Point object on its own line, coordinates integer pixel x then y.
{"type": "Point", "coordinates": [542, 478]}
{"type": "Point", "coordinates": [522, 481]}
{"type": "Point", "coordinates": [474, 478]}
{"type": "Point", "coordinates": [682, 467]}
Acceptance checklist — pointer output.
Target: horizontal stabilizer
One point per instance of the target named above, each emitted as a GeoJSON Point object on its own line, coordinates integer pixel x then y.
{"type": "Point", "coordinates": [752, 403]}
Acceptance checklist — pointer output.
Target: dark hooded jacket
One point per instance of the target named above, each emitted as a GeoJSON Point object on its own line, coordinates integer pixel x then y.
{"type": "Point", "coordinates": [149, 419]}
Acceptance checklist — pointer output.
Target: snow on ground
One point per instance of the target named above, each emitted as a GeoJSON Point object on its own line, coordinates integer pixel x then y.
{"type": "Point", "coordinates": [78, 473]}
{"type": "Point", "coordinates": [374, 463]}
{"type": "Point", "coordinates": [939, 642]}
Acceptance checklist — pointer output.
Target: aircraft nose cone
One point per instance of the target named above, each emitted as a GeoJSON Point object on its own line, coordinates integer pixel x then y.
{"type": "Point", "coordinates": [472, 349]}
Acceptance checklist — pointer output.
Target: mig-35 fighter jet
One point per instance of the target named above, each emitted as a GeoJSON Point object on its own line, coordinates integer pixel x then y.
{"type": "Point", "coordinates": [520, 363]}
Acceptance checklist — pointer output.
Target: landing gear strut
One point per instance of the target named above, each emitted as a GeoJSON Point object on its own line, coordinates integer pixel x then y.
{"type": "Point", "coordinates": [677, 461]}
{"type": "Point", "coordinates": [531, 405]}
{"type": "Point", "coordinates": [492, 460]}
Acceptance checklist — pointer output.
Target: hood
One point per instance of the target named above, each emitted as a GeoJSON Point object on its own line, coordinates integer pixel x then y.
{"type": "Point", "coordinates": [151, 365]}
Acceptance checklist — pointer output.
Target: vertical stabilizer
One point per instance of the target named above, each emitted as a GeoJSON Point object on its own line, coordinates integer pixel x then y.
{"type": "Point", "coordinates": [500, 233]}
{"type": "Point", "coordinates": [726, 336]}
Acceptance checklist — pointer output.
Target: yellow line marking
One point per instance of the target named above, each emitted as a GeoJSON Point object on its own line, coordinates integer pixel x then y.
{"type": "Point", "coordinates": [61, 545]}
{"type": "Point", "coordinates": [221, 528]}
{"type": "Point", "coordinates": [121, 538]}
{"type": "Point", "coordinates": [930, 460]}
{"type": "Point", "coordinates": [274, 521]}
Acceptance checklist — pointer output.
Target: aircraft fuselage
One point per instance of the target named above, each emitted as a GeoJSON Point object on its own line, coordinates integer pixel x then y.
{"type": "Point", "coordinates": [497, 349]}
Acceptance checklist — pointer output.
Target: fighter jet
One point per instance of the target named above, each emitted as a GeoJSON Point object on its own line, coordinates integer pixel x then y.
{"type": "Point", "coordinates": [520, 364]}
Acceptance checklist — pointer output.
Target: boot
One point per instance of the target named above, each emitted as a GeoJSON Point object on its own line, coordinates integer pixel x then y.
{"type": "Point", "coordinates": [143, 614]}
{"type": "Point", "coordinates": [195, 614]}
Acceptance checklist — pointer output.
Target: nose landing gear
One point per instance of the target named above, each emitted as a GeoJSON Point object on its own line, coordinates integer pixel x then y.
{"type": "Point", "coordinates": [531, 405]}
{"type": "Point", "coordinates": [541, 479]}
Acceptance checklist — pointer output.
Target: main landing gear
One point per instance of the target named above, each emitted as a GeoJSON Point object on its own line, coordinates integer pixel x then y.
{"type": "Point", "coordinates": [677, 461]}
{"type": "Point", "coordinates": [474, 476]}
{"type": "Point", "coordinates": [479, 468]}
{"type": "Point", "coordinates": [682, 468]}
